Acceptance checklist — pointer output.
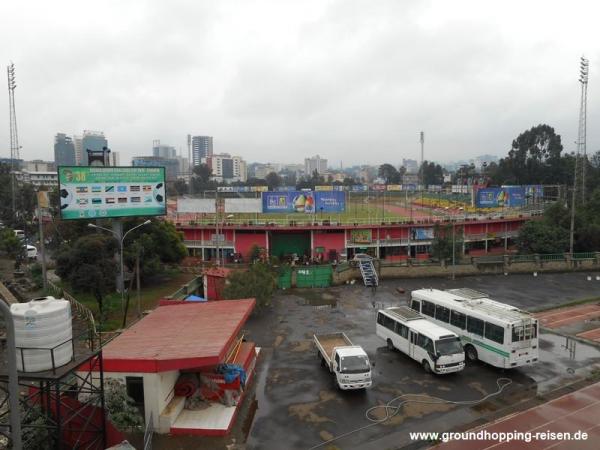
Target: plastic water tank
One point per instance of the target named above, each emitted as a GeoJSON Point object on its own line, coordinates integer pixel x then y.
{"type": "Point", "coordinates": [42, 324]}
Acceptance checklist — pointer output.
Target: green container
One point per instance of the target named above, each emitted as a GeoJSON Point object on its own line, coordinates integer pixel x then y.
{"type": "Point", "coordinates": [314, 276]}
{"type": "Point", "coordinates": [284, 280]}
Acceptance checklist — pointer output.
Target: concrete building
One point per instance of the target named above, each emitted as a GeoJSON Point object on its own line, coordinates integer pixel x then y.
{"type": "Point", "coordinates": [315, 163]}
{"type": "Point", "coordinates": [91, 140]}
{"type": "Point", "coordinates": [411, 165]}
{"type": "Point", "coordinates": [202, 147]}
{"type": "Point", "coordinates": [227, 168]}
{"type": "Point", "coordinates": [45, 178]}
{"type": "Point", "coordinates": [171, 165]}
{"type": "Point", "coordinates": [163, 151]}
{"type": "Point", "coordinates": [64, 150]}
{"type": "Point", "coordinates": [262, 170]}
{"type": "Point", "coordinates": [78, 144]}
{"type": "Point", "coordinates": [38, 165]}
{"type": "Point", "coordinates": [178, 339]}
{"type": "Point", "coordinates": [114, 159]}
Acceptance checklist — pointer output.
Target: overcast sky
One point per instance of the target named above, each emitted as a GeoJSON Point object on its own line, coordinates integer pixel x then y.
{"type": "Point", "coordinates": [354, 81]}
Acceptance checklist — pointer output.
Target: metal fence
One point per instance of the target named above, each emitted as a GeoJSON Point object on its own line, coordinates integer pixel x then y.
{"type": "Point", "coordinates": [148, 433]}
{"type": "Point", "coordinates": [83, 311]}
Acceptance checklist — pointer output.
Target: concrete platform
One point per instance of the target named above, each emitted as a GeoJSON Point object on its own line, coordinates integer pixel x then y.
{"type": "Point", "coordinates": [578, 411]}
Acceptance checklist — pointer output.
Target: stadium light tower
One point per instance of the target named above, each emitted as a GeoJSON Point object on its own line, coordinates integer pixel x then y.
{"type": "Point", "coordinates": [581, 153]}
{"type": "Point", "coordinates": [14, 137]}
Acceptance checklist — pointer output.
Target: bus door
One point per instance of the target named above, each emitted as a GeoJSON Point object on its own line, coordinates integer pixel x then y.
{"type": "Point", "coordinates": [412, 342]}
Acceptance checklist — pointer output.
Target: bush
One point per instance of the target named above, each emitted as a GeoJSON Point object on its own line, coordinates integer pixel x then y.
{"type": "Point", "coordinates": [258, 282]}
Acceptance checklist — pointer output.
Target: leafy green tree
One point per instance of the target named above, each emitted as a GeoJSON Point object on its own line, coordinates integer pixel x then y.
{"type": "Point", "coordinates": [121, 408]}
{"type": "Point", "coordinates": [10, 243]}
{"type": "Point", "coordinates": [89, 265]}
{"type": "Point", "coordinates": [538, 236]}
{"type": "Point", "coordinates": [158, 243]}
{"type": "Point", "coordinates": [442, 244]}
{"type": "Point", "coordinates": [432, 173]}
{"type": "Point", "coordinates": [201, 179]}
{"type": "Point", "coordinates": [389, 173]}
{"type": "Point", "coordinates": [258, 282]}
{"type": "Point", "coordinates": [273, 180]}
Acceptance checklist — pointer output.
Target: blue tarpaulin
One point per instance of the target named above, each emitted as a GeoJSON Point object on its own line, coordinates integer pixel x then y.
{"type": "Point", "coordinates": [194, 298]}
{"type": "Point", "coordinates": [231, 372]}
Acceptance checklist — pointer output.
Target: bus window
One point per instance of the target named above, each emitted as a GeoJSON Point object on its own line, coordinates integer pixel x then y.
{"type": "Point", "coordinates": [416, 305]}
{"type": "Point", "coordinates": [458, 320]}
{"type": "Point", "coordinates": [428, 308]}
{"type": "Point", "coordinates": [475, 326]}
{"type": "Point", "coordinates": [494, 333]}
{"type": "Point", "coordinates": [380, 318]}
{"type": "Point", "coordinates": [426, 343]}
{"type": "Point", "coordinates": [442, 313]}
{"type": "Point", "coordinates": [389, 323]}
{"type": "Point", "coordinates": [401, 330]}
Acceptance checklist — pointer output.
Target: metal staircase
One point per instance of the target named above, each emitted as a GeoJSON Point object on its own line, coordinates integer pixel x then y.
{"type": "Point", "coordinates": [369, 274]}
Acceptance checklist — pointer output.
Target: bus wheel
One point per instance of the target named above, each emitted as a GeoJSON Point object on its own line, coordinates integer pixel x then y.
{"type": "Point", "coordinates": [390, 345]}
{"type": "Point", "coordinates": [471, 353]}
{"type": "Point", "coordinates": [426, 366]}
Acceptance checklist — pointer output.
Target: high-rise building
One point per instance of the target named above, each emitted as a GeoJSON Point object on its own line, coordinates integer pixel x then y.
{"type": "Point", "coordinates": [202, 147]}
{"type": "Point", "coordinates": [64, 150]}
{"type": "Point", "coordinates": [227, 168]}
{"type": "Point", "coordinates": [77, 142]}
{"type": "Point", "coordinates": [315, 163]}
{"type": "Point", "coordinates": [411, 165]}
{"type": "Point", "coordinates": [171, 165]}
{"type": "Point", "coordinates": [114, 159]}
{"type": "Point", "coordinates": [163, 151]}
{"type": "Point", "coordinates": [92, 140]}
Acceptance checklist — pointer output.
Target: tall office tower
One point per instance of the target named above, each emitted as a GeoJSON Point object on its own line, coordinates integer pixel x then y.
{"type": "Point", "coordinates": [202, 147]}
{"type": "Point", "coordinates": [94, 141]}
{"type": "Point", "coordinates": [77, 142]}
{"type": "Point", "coordinates": [64, 150]}
{"type": "Point", "coordinates": [315, 163]}
{"type": "Point", "coordinates": [163, 151]}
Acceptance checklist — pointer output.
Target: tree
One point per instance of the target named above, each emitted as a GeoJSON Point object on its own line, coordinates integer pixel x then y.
{"type": "Point", "coordinates": [258, 282]}
{"type": "Point", "coordinates": [89, 266]}
{"type": "Point", "coordinates": [443, 245]}
{"type": "Point", "coordinates": [432, 173]}
{"type": "Point", "coordinates": [180, 187]}
{"type": "Point", "coordinates": [122, 412]}
{"type": "Point", "coordinates": [389, 174]}
{"type": "Point", "coordinates": [538, 236]}
{"type": "Point", "coordinates": [10, 243]}
{"type": "Point", "coordinates": [201, 178]}
{"type": "Point", "coordinates": [273, 180]}
{"type": "Point", "coordinates": [158, 243]}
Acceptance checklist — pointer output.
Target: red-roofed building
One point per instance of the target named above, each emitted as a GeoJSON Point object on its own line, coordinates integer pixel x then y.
{"type": "Point", "coordinates": [191, 338]}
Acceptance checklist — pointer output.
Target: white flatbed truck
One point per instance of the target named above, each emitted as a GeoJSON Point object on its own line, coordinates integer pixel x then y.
{"type": "Point", "coordinates": [348, 363]}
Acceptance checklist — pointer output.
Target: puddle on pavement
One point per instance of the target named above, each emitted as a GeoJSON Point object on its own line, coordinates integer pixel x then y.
{"type": "Point", "coordinates": [322, 301]}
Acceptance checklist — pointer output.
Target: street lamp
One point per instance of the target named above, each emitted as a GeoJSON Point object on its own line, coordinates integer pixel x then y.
{"type": "Point", "coordinates": [121, 241]}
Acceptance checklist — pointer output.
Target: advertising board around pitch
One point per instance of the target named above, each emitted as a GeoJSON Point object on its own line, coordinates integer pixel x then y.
{"type": "Point", "coordinates": [96, 192]}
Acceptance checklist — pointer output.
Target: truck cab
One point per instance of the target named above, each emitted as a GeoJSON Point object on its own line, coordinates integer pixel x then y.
{"type": "Point", "coordinates": [352, 368]}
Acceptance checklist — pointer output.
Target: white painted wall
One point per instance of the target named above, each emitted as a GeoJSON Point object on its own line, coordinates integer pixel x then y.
{"type": "Point", "coordinates": [158, 390]}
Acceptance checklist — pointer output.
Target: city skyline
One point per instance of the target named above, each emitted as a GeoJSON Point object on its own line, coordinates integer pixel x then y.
{"type": "Point", "coordinates": [344, 79]}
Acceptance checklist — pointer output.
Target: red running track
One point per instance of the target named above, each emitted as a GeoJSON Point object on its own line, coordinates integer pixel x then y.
{"type": "Point", "coordinates": [578, 411]}
{"type": "Point", "coordinates": [557, 318]}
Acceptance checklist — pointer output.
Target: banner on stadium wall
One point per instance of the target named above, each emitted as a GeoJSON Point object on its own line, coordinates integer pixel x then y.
{"type": "Point", "coordinates": [394, 187]}
{"type": "Point", "coordinates": [243, 205]}
{"type": "Point", "coordinates": [195, 205]}
{"type": "Point", "coordinates": [284, 189]}
{"type": "Point", "coordinates": [378, 187]}
{"type": "Point", "coordinates": [361, 236]}
{"type": "Point", "coordinates": [434, 188]}
{"type": "Point", "coordinates": [359, 188]}
{"type": "Point", "coordinates": [409, 187]}
{"type": "Point", "coordinates": [534, 191]}
{"type": "Point", "coordinates": [507, 196]}
{"type": "Point", "coordinates": [421, 234]}
{"type": "Point", "coordinates": [323, 188]}
{"type": "Point", "coordinates": [304, 202]}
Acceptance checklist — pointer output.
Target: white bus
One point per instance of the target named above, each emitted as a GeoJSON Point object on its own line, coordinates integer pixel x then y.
{"type": "Point", "coordinates": [437, 349]}
{"type": "Point", "coordinates": [498, 334]}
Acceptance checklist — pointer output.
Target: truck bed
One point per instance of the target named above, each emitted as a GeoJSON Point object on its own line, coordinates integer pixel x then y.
{"type": "Point", "coordinates": [330, 341]}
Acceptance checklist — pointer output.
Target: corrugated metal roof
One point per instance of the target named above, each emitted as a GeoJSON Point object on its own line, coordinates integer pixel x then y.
{"type": "Point", "coordinates": [182, 336]}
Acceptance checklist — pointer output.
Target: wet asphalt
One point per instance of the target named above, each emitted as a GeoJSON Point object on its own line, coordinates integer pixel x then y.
{"type": "Point", "coordinates": [294, 405]}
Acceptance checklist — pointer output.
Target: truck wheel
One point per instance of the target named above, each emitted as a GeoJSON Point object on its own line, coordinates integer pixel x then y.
{"type": "Point", "coordinates": [390, 345]}
{"type": "Point", "coordinates": [426, 366]}
{"type": "Point", "coordinates": [471, 353]}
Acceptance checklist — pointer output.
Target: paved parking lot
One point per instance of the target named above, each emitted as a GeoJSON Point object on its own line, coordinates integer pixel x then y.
{"type": "Point", "coordinates": [296, 406]}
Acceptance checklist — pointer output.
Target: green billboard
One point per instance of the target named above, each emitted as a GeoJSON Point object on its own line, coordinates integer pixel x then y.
{"type": "Point", "coordinates": [88, 192]}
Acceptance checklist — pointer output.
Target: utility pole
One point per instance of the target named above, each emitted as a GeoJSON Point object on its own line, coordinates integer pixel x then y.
{"type": "Point", "coordinates": [42, 200]}
{"type": "Point", "coordinates": [14, 136]}
{"type": "Point", "coordinates": [421, 177]}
